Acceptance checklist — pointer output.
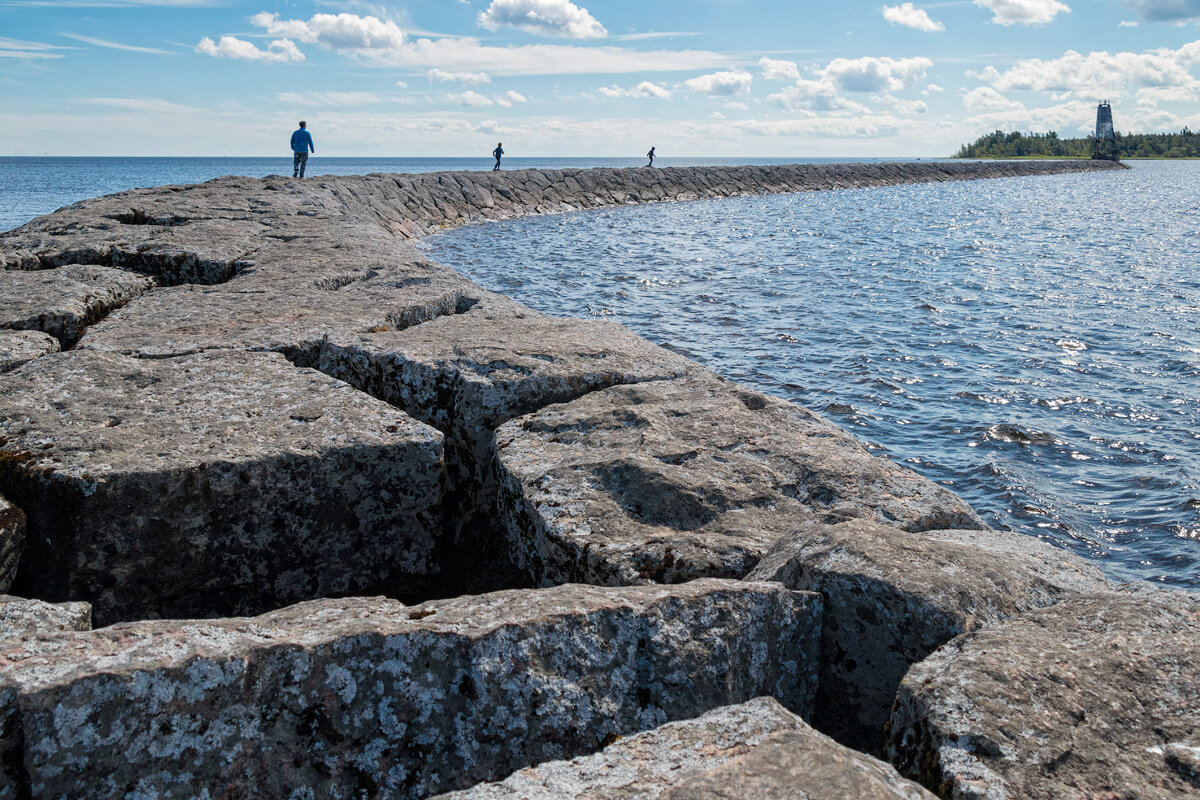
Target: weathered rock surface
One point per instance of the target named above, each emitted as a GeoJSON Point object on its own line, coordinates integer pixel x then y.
{"type": "Point", "coordinates": [892, 597]}
{"type": "Point", "coordinates": [468, 373]}
{"type": "Point", "coordinates": [21, 617]}
{"type": "Point", "coordinates": [677, 479]}
{"type": "Point", "coordinates": [289, 298]}
{"type": "Point", "coordinates": [63, 302]}
{"type": "Point", "coordinates": [337, 698]}
{"type": "Point", "coordinates": [1092, 698]}
{"type": "Point", "coordinates": [754, 750]}
{"type": "Point", "coordinates": [12, 541]}
{"type": "Point", "coordinates": [18, 347]}
{"type": "Point", "coordinates": [219, 483]}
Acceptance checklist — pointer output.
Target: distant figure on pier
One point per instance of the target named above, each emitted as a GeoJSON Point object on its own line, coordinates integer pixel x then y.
{"type": "Point", "coordinates": [650, 156]}
{"type": "Point", "coordinates": [499, 151]}
{"type": "Point", "coordinates": [302, 143]}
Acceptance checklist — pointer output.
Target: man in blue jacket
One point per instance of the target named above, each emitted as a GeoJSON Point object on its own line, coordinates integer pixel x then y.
{"type": "Point", "coordinates": [302, 143]}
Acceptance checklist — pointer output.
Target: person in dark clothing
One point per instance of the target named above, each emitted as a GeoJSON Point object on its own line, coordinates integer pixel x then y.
{"type": "Point", "coordinates": [499, 151]}
{"type": "Point", "coordinates": [650, 156]}
{"type": "Point", "coordinates": [302, 143]}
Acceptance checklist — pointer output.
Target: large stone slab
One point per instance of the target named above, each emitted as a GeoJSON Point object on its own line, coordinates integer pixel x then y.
{"type": "Point", "coordinates": [468, 373]}
{"type": "Point", "coordinates": [341, 698]}
{"type": "Point", "coordinates": [18, 347]}
{"type": "Point", "coordinates": [63, 302]}
{"type": "Point", "coordinates": [753, 750]}
{"type": "Point", "coordinates": [289, 297]}
{"type": "Point", "coordinates": [892, 597]}
{"type": "Point", "coordinates": [675, 479]}
{"type": "Point", "coordinates": [1095, 697]}
{"type": "Point", "coordinates": [21, 617]}
{"type": "Point", "coordinates": [12, 541]}
{"type": "Point", "coordinates": [218, 483]}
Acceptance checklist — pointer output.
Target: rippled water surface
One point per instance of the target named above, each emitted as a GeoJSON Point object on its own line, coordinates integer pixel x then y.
{"type": "Point", "coordinates": [1032, 343]}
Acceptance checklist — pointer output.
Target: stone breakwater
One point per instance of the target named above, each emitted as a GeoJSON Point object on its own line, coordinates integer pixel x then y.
{"type": "Point", "coordinates": [348, 525]}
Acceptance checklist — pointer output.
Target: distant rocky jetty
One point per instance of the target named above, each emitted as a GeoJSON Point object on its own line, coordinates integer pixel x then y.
{"type": "Point", "coordinates": [348, 525]}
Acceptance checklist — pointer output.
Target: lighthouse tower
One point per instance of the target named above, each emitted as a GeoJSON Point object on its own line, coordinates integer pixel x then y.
{"type": "Point", "coordinates": [1105, 145]}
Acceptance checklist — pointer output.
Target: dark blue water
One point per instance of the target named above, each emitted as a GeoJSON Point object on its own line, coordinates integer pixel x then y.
{"type": "Point", "coordinates": [1031, 343]}
{"type": "Point", "coordinates": [30, 187]}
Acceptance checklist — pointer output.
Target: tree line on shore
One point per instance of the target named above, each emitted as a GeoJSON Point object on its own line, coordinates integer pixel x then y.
{"type": "Point", "coordinates": [999, 144]}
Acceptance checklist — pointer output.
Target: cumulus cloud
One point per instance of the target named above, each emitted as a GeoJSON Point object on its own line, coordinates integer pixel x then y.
{"type": "Point", "coordinates": [516, 97]}
{"type": "Point", "coordinates": [645, 89]}
{"type": "Point", "coordinates": [776, 70]}
{"type": "Point", "coordinates": [1086, 75]}
{"type": "Point", "coordinates": [872, 74]}
{"type": "Point", "coordinates": [469, 78]}
{"type": "Point", "coordinates": [558, 18]}
{"type": "Point", "coordinates": [334, 31]}
{"type": "Point", "coordinates": [985, 98]}
{"type": "Point", "coordinates": [721, 84]}
{"type": "Point", "coordinates": [335, 99]}
{"type": "Point", "coordinates": [470, 99]}
{"type": "Point", "coordinates": [1023, 12]}
{"type": "Point", "coordinates": [910, 16]}
{"type": "Point", "coordinates": [383, 42]}
{"type": "Point", "coordinates": [814, 96]}
{"type": "Point", "coordinates": [932, 88]}
{"type": "Point", "coordinates": [1165, 10]}
{"type": "Point", "coordinates": [902, 106]}
{"type": "Point", "coordinates": [280, 51]}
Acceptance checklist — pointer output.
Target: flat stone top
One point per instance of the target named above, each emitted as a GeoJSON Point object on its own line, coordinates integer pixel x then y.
{"type": "Point", "coordinates": [1093, 697]}
{"type": "Point", "coordinates": [19, 347]}
{"type": "Point", "coordinates": [37, 662]}
{"type": "Point", "coordinates": [721, 754]}
{"type": "Point", "coordinates": [86, 414]}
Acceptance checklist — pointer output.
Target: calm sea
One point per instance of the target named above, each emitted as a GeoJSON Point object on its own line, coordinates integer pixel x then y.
{"type": "Point", "coordinates": [1033, 343]}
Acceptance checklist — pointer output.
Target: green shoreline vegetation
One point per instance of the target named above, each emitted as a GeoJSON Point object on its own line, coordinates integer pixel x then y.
{"type": "Point", "coordinates": [999, 144]}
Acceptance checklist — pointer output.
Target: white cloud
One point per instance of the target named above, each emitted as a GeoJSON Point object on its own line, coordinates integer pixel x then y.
{"type": "Point", "coordinates": [810, 96]}
{"type": "Point", "coordinates": [932, 88]}
{"type": "Point", "coordinates": [776, 70]}
{"type": "Point", "coordinates": [858, 127]}
{"type": "Point", "coordinates": [113, 45]}
{"type": "Point", "coordinates": [384, 43]}
{"type": "Point", "coordinates": [1127, 23]}
{"type": "Point", "coordinates": [470, 99]}
{"type": "Point", "coordinates": [1165, 10]}
{"type": "Point", "coordinates": [335, 31]}
{"type": "Point", "coordinates": [721, 84]}
{"type": "Point", "coordinates": [401, 85]}
{"type": "Point", "coordinates": [110, 3]}
{"type": "Point", "coordinates": [872, 74]}
{"type": "Point", "coordinates": [280, 51]}
{"type": "Point", "coordinates": [1023, 12]}
{"type": "Point", "coordinates": [151, 105]}
{"type": "Point", "coordinates": [902, 106]}
{"type": "Point", "coordinates": [558, 18]}
{"type": "Point", "coordinates": [645, 89]}
{"type": "Point", "coordinates": [985, 98]}
{"type": "Point", "coordinates": [16, 48]}
{"type": "Point", "coordinates": [516, 97]}
{"type": "Point", "coordinates": [910, 16]}
{"type": "Point", "coordinates": [469, 78]}
{"type": "Point", "coordinates": [335, 99]}
{"type": "Point", "coordinates": [1098, 73]}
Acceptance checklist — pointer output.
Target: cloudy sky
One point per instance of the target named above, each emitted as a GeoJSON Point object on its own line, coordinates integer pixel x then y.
{"type": "Point", "coordinates": [605, 77]}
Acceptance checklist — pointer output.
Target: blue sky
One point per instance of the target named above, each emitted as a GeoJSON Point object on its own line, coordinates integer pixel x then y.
{"type": "Point", "coordinates": [605, 78]}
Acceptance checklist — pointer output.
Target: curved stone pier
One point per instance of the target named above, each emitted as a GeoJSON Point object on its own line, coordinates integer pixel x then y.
{"type": "Point", "coordinates": [267, 395]}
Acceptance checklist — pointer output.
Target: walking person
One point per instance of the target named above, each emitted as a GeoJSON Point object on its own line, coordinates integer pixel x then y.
{"type": "Point", "coordinates": [499, 151]}
{"type": "Point", "coordinates": [650, 156]}
{"type": "Point", "coordinates": [302, 143]}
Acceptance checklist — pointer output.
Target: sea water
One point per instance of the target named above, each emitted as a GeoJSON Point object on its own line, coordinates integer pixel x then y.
{"type": "Point", "coordinates": [1031, 343]}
